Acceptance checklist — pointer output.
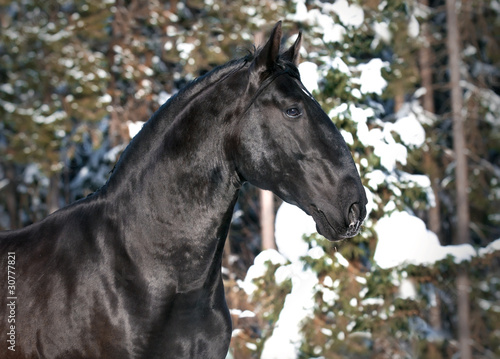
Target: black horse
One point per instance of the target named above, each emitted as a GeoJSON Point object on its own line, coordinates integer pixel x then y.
{"type": "Point", "coordinates": [134, 270]}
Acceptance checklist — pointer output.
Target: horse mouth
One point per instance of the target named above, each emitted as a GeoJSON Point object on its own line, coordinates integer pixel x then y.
{"type": "Point", "coordinates": [329, 231]}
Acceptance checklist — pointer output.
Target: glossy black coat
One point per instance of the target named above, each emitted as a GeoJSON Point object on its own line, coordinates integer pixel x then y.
{"type": "Point", "coordinates": [134, 270]}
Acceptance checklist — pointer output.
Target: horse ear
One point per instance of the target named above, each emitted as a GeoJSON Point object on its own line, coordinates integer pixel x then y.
{"type": "Point", "coordinates": [293, 53]}
{"type": "Point", "coordinates": [268, 55]}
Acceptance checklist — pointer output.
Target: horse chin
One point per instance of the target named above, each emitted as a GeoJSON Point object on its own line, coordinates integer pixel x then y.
{"type": "Point", "coordinates": [324, 227]}
{"type": "Point", "coordinates": [327, 230]}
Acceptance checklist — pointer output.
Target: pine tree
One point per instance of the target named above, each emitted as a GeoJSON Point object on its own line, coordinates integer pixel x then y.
{"type": "Point", "coordinates": [53, 88]}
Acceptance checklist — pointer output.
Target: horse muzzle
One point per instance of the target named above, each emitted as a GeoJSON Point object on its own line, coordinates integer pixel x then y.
{"type": "Point", "coordinates": [330, 228]}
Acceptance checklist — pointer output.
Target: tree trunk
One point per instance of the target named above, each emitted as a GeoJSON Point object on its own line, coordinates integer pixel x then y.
{"type": "Point", "coordinates": [399, 99]}
{"type": "Point", "coordinates": [426, 61]}
{"type": "Point", "coordinates": [459, 147]}
{"type": "Point", "coordinates": [430, 165]}
{"type": "Point", "coordinates": [266, 199]}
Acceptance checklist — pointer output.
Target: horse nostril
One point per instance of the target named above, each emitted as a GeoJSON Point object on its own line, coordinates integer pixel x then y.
{"type": "Point", "coordinates": [353, 216]}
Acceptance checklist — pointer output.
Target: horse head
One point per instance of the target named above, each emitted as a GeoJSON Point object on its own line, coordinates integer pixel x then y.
{"type": "Point", "coordinates": [287, 144]}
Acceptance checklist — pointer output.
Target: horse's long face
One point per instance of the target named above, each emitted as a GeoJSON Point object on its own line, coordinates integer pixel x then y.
{"type": "Point", "coordinates": [287, 144]}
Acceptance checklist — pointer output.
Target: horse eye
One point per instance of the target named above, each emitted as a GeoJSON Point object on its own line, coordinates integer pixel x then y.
{"type": "Point", "coordinates": [293, 112]}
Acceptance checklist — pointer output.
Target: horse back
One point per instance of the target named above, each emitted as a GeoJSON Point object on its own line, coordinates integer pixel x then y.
{"type": "Point", "coordinates": [61, 285]}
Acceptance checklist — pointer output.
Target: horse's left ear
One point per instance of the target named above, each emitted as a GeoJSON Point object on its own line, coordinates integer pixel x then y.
{"type": "Point", "coordinates": [293, 53]}
{"type": "Point", "coordinates": [268, 55]}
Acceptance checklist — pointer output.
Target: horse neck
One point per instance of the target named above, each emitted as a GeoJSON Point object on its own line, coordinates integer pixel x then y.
{"type": "Point", "coordinates": [174, 182]}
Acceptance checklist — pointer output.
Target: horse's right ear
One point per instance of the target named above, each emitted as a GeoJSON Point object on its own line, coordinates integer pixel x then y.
{"type": "Point", "coordinates": [293, 53]}
{"type": "Point", "coordinates": [268, 55]}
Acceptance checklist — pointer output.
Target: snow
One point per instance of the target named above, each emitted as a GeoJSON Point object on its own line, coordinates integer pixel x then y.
{"type": "Point", "coordinates": [338, 64]}
{"type": "Point", "coordinates": [407, 289]}
{"type": "Point", "coordinates": [185, 50]}
{"type": "Point", "coordinates": [112, 155]}
{"type": "Point", "coordinates": [389, 152]}
{"type": "Point", "coordinates": [410, 130]}
{"type": "Point", "coordinates": [163, 97]}
{"type": "Point", "coordinates": [242, 314]}
{"type": "Point", "coordinates": [259, 268]}
{"type": "Point", "coordinates": [372, 301]}
{"type": "Point", "coordinates": [490, 248]}
{"type": "Point", "coordinates": [349, 15]}
{"type": "Point", "coordinates": [413, 27]}
{"type": "Point", "coordinates": [356, 93]}
{"type": "Point", "coordinates": [7, 88]}
{"type": "Point", "coordinates": [361, 280]}
{"type": "Point", "coordinates": [134, 127]}
{"type": "Point", "coordinates": [168, 44]}
{"type": "Point", "coordinates": [332, 32]}
{"type": "Point", "coordinates": [382, 33]}
{"type": "Point", "coordinates": [370, 205]}
{"type": "Point", "coordinates": [327, 332]}
{"type": "Point", "coordinates": [309, 75]}
{"type": "Point", "coordinates": [291, 224]}
{"type": "Point", "coordinates": [375, 178]}
{"type": "Point", "coordinates": [334, 112]}
{"type": "Point", "coordinates": [371, 76]}
{"type": "Point", "coordinates": [404, 239]}
{"type": "Point", "coordinates": [54, 37]}
{"type": "Point", "coordinates": [408, 127]}
{"type": "Point", "coordinates": [282, 274]}
{"type": "Point", "coordinates": [285, 341]}
{"type": "Point", "coordinates": [106, 98]}
{"type": "Point", "coordinates": [316, 253]}
{"type": "Point", "coordinates": [342, 261]}
{"type": "Point", "coordinates": [8, 106]}
{"type": "Point", "coordinates": [348, 138]}
{"type": "Point", "coordinates": [4, 182]}
{"type": "Point", "coordinates": [251, 346]}
{"type": "Point", "coordinates": [422, 181]}
{"type": "Point", "coordinates": [56, 116]}
{"type": "Point", "coordinates": [328, 281]}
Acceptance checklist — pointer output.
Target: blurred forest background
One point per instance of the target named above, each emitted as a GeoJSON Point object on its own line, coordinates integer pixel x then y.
{"type": "Point", "coordinates": [78, 79]}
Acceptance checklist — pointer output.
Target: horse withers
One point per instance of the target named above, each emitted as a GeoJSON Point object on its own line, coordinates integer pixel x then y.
{"type": "Point", "coordinates": [134, 270]}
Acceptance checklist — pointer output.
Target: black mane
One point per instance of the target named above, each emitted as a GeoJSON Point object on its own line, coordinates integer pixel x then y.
{"type": "Point", "coordinates": [222, 71]}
